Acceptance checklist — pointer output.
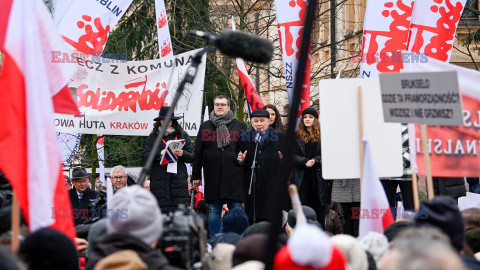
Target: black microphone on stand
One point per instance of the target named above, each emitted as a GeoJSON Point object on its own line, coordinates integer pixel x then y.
{"type": "Point", "coordinates": [253, 177]}
{"type": "Point", "coordinates": [239, 44]}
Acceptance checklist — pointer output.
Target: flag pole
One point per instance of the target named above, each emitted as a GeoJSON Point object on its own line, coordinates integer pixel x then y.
{"type": "Point", "coordinates": [360, 133]}
{"type": "Point", "coordinates": [416, 203]}
{"type": "Point", "coordinates": [426, 156]}
{"type": "Point", "coordinates": [15, 224]}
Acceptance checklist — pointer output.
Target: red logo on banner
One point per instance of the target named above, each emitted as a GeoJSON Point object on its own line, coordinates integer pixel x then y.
{"type": "Point", "coordinates": [92, 41]}
{"type": "Point", "coordinates": [123, 101]}
{"type": "Point", "coordinates": [166, 49]}
{"type": "Point", "coordinates": [397, 36]}
{"type": "Point", "coordinates": [289, 40]}
{"type": "Point", "coordinates": [437, 47]}
{"type": "Point", "coordinates": [100, 141]}
{"type": "Point", "coordinates": [162, 20]}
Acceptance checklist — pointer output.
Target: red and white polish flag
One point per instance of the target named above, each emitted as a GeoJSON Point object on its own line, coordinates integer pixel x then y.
{"type": "Point", "coordinates": [375, 213]}
{"type": "Point", "coordinates": [254, 100]}
{"type": "Point", "coordinates": [29, 84]}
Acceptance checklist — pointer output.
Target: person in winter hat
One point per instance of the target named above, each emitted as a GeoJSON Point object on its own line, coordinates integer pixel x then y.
{"type": "Point", "coordinates": [135, 224]}
{"type": "Point", "coordinates": [309, 248]}
{"type": "Point", "coordinates": [48, 249]}
{"type": "Point", "coordinates": [442, 212]}
{"type": "Point", "coordinates": [235, 223]}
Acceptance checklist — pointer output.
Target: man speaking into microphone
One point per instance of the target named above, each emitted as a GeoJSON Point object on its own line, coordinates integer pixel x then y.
{"type": "Point", "coordinates": [269, 144]}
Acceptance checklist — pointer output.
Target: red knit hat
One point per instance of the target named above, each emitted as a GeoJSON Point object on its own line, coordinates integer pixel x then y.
{"type": "Point", "coordinates": [309, 248]}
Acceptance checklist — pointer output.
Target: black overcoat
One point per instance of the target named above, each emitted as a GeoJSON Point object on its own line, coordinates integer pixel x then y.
{"type": "Point", "coordinates": [80, 206]}
{"type": "Point", "coordinates": [324, 187]}
{"type": "Point", "coordinates": [267, 169]}
{"type": "Point", "coordinates": [223, 180]}
{"type": "Point", "coordinates": [169, 189]}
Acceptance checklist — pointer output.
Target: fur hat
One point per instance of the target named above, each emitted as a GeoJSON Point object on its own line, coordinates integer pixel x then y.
{"type": "Point", "coordinates": [375, 243]}
{"type": "Point", "coordinates": [309, 248]}
{"type": "Point", "coordinates": [136, 212]}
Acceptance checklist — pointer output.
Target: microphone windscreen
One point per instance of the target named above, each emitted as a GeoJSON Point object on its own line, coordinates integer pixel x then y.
{"type": "Point", "coordinates": [246, 46]}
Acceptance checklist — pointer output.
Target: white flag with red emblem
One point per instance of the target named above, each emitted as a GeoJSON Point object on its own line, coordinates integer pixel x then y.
{"type": "Point", "coordinates": [163, 33]}
{"type": "Point", "coordinates": [375, 214]}
{"type": "Point", "coordinates": [290, 23]}
{"type": "Point", "coordinates": [85, 24]}
{"type": "Point", "coordinates": [385, 35]}
{"type": "Point", "coordinates": [434, 23]}
{"type": "Point", "coordinates": [29, 84]}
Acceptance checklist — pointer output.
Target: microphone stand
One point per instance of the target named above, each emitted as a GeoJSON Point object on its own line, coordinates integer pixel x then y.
{"type": "Point", "coordinates": [253, 179]}
{"type": "Point", "coordinates": [188, 78]}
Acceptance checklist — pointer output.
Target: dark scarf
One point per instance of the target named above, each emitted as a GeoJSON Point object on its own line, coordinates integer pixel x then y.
{"type": "Point", "coordinates": [220, 123]}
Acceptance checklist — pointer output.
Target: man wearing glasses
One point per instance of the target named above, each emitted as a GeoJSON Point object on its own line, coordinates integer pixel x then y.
{"type": "Point", "coordinates": [119, 177]}
{"type": "Point", "coordinates": [215, 153]}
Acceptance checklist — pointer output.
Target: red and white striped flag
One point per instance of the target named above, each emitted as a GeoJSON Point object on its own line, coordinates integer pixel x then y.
{"type": "Point", "coordinates": [30, 158]}
{"type": "Point", "coordinates": [375, 213]}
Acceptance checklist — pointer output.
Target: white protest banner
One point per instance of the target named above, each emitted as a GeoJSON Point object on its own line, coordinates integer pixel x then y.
{"type": "Point", "coordinates": [339, 128]}
{"type": "Point", "coordinates": [85, 24]}
{"type": "Point", "coordinates": [385, 35]}
{"type": "Point", "coordinates": [431, 98]}
{"type": "Point", "coordinates": [290, 23]}
{"type": "Point", "coordinates": [433, 27]}
{"type": "Point", "coordinates": [118, 98]}
{"type": "Point", "coordinates": [453, 150]}
{"type": "Point", "coordinates": [163, 33]}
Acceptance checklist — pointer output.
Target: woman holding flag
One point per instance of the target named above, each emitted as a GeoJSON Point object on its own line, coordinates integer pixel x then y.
{"type": "Point", "coordinates": [168, 182]}
{"type": "Point", "coordinates": [313, 190]}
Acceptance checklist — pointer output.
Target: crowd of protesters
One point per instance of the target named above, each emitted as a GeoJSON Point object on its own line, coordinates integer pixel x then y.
{"type": "Point", "coordinates": [239, 166]}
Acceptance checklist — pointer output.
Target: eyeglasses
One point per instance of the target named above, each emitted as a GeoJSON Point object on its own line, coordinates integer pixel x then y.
{"type": "Point", "coordinates": [220, 104]}
{"type": "Point", "coordinates": [119, 177]}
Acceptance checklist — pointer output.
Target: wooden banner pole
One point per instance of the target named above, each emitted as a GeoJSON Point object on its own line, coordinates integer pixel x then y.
{"type": "Point", "coordinates": [416, 203]}
{"type": "Point", "coordinates": [426, 156]}
{"type": "Point", "coordinates": [360, 133]}
{"type": "Point", "coordinates": [15, 224]}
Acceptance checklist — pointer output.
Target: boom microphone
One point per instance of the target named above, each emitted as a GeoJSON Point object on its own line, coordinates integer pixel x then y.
{"type": "Point", "coordinates": [239, 44]}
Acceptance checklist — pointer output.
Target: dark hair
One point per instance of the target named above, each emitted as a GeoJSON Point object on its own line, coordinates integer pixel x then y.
{"type": "Point", "coordinates": [277, 123]}
{"type": "Point", "coordinates": [222, 97]}
{"type": "Point", "coordinates": [305, 136]}
{"type": "Point", "coordinates": [175, 125]}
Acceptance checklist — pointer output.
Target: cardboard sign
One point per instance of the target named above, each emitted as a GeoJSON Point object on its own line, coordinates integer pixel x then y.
{"type": "Point", "coordinates": [431, 98]}
{"type": "Point", "coordinates": [340, 130]}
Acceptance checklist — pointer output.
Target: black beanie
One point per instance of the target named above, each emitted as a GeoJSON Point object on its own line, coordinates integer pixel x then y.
{"type": "Point", "coordinates": [442, 212]}
{"type": "Point", "coordinates": [393, 230]}
{"type": "Point", "coordinates": [311, 111]}
{"type": "Point", "coordinates": [473, 239]}
{"type": "Point", "coordinates": [48, 249]}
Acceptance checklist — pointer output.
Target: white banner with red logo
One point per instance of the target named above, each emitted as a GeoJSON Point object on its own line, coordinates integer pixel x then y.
{"type": "Point", "coordinates": [385, 35]}
{"type": "Point", "coordinates": [434, 23]}
{"type": "Point", "coordinates": [164, 40]}
{"type": "Point", "coordinates": [290, 23]}
{"type": "Point", "coordinates": [101, 158]}
{"type": "Point", "coordinates": [123, 98]}
{"type": "Point", "coordinates": [85, 24]}
{"type": "Point", "coordinates": [453, 150]}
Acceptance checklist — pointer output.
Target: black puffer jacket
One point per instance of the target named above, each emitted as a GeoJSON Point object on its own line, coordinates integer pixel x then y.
{"type": "Point", "coordinates": [169, 189]}
{"type": "Point", "coordinates": [122, 241]}
{"type": "Point", "coordinates": [450, 186]}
